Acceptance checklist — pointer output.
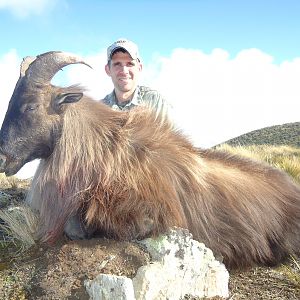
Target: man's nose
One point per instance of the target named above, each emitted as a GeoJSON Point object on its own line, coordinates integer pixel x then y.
{"type": "Point", "coordinates": [124, 69]}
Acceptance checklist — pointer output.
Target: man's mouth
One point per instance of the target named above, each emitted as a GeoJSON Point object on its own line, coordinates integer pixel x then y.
{"type": "Point", "coordinates": [124, 79]}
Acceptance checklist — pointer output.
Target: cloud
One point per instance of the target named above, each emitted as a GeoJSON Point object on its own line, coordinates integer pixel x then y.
{"type": "Point", "coordinates": [23, 8]}
{"type": "Point", "coordinates": [95, 79]}
{"type": "Point", "coordinates": [214, 96]}
{"type": "Point", "coordinates": [9, 73]}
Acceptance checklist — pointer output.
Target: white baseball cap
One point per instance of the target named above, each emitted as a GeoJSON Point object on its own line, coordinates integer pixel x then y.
{"type": "Point", "coordinates": [125, 44]}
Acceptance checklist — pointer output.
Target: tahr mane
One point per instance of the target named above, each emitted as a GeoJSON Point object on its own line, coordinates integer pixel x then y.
{"type": "Point", "coordinates": [95, 141]}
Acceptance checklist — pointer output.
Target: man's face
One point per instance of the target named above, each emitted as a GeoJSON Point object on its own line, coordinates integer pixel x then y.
{"type": "Point", "coordinates": [124, 71]}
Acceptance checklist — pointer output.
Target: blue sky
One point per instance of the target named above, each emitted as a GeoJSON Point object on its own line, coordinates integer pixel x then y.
{"type": "Point", "coordinates": [227, 67]}
{"type": "Point", "coordinates": [157, 26]}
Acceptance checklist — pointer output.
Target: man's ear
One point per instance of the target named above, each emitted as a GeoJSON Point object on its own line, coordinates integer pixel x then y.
{"type": "Point", "coordinates": [107, 69]}
{"type": "Point", "coordinates": [140, 67]}
{"type": "Point", "coordinates": [65, 98]}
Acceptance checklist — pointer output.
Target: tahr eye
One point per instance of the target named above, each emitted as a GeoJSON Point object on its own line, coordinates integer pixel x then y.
{"type": "Point", "coordinates": [30, 107]}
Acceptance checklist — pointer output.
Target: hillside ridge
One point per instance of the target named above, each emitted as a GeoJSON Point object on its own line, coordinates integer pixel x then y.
{"type": "Point", "coordinates": [285, 134]}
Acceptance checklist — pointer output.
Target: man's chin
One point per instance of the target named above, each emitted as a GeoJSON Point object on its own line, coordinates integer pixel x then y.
{"type": "Point", "coordinates": [126, 86]}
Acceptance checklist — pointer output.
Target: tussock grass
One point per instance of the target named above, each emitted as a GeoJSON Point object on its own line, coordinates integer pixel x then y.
{"type": "Point", "coordinates": [286, 158]}
{"type": "Point", "coordinates": [4, 181]}
{"type": "Point", "coordinates": [10, 182]}
{"type": "Point", "coordinates": [291, 271]}
{"type": "Point", "coordinates": [20, 225]}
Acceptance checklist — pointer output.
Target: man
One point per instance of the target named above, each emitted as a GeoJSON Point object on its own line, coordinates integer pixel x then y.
{"type": "Point", "coordinates": [124, 67]}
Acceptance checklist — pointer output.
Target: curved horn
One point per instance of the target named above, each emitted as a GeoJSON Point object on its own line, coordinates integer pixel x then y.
{"type": "Point", "coordinates": [25, 64]}
{"type": "Point", "coordinates": [46, 65]}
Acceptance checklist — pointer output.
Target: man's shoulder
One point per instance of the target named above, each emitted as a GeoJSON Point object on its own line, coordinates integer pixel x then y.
{"type": "Point", "coordinates": [146, 89]}
{"type": "Point", "coordinates": [147, 92]}
{"type": "Point", "coordinates": [109, 99]}
{"type": "Point", "coordinates": [153, 99]}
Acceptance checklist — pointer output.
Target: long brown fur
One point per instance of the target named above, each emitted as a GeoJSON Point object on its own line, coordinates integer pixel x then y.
{"type": "Point", "coordinates": [132, 175]}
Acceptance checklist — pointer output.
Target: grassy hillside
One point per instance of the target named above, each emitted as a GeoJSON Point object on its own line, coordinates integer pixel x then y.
{"type": "Point", "coordinates": [286, 134]}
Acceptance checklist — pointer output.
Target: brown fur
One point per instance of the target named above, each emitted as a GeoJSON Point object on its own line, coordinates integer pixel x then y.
{"type": "Point", "coordinates": [131, 175]}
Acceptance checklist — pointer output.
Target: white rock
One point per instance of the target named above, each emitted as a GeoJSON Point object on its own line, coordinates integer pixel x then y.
{"type": "Point", "coordinates": [180, 266]}
{"type": "Point", "coordinates": [109, 287]}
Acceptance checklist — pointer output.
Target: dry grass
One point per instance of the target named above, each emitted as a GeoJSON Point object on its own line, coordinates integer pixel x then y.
{"type": "Point", "coordinates": [286, 158]}
{"type": "Point", "coordinates": [20, 225]}
{"type": "Point", "coordinates": [292, 271]}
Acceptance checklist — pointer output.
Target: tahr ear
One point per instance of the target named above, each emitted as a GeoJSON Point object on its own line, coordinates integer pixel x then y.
{"type": "Point", "coordinates": [68, 98]}
{"type": "Point", "coordinates": [65, 98]}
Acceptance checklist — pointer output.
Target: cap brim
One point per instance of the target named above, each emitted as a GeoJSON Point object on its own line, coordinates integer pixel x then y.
{"type": "Point", "coordinates": [119, 47]}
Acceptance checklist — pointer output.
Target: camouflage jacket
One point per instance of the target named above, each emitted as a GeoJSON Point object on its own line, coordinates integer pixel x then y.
{"type": "Point", "coordinates": [142, 96]}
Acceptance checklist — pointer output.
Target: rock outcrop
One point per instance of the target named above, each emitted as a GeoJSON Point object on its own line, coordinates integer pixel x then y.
{"type": "Point", "coordinates": [180, 266]}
